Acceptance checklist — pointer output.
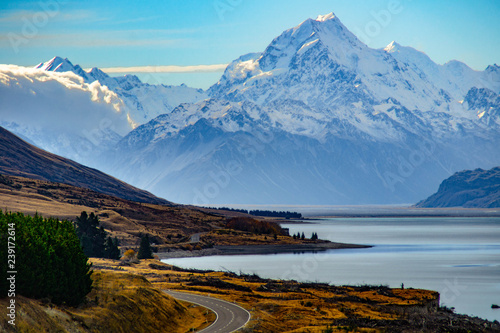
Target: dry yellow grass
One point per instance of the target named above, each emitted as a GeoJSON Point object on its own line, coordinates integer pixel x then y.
{"type": "Point", "coordinates": [284, 306]}
{"type": "Point", "coordinates": [119, 302]}
{"type": "Point", "coordinates": [169, 227]}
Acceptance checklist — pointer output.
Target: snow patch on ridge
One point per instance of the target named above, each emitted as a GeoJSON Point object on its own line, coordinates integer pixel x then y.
{"type": "Point", "coordinates": [323, 18]}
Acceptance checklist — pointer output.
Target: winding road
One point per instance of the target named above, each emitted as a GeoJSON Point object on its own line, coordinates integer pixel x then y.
{"type": "Point", "coordinates": [230, 317]}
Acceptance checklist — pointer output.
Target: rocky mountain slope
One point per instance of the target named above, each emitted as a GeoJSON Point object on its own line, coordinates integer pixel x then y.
{"type": "Point", "coordinates": [469, 188]}
{"type": "Point", "coordinates": [19, 158]}
{"type": "Point", "coordinates": [319, 117]}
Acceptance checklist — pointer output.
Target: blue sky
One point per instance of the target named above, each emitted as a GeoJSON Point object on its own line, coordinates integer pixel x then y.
{"type": "Point", "coordinates": [213, 32]}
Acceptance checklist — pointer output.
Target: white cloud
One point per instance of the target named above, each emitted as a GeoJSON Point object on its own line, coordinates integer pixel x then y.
{"type": "Point", "coordinates": [52, 107]}
{"type": "Point", "coordinates": [60, 99]}
{"type": "Point", "coordinates": [167, 69]}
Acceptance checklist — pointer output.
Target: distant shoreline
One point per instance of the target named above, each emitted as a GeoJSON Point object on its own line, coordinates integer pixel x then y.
{"type": "Point", "coordinates": [311, 212]}
{"type": "Point", "coordinates": [400, 213]}
{"type": "Point", "coordinates": [312, 218]}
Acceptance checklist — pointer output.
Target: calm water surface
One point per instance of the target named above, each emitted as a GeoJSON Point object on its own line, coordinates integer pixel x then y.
{"type": "Point", "coordinates": [459, 257]}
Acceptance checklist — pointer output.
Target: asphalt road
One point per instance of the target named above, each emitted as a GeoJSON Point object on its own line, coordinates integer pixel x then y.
{"type": "Point", "coordinates": [230, 317]}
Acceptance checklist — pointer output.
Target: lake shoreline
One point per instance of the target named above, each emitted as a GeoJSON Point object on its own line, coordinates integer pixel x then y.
{"type": "Point", "coordinates": [229, 250]}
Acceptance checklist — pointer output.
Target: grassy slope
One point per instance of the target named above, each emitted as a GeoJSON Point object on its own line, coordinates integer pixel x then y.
{"type": "Point", "coordinates": [284, 306]}
{"type": "Point", "coordinates": [124, 219]}
{"type": "Point", "coordinates": [120, 302]}
{"type": "Point", "coordinates": [169, 227]}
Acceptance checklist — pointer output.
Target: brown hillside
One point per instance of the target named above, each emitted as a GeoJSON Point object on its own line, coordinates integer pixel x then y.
{"type": "Point", "coordinates": [124, 219]}
{"type": "Point", "coordinates": [19, 158]}
{"type": "Point", "coordinates": [168, 226]}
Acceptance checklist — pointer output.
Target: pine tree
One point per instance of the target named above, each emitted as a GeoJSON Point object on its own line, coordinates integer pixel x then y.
{"type": "Point", "coordinates": [111, 249]}
{"type": "Point", "coordinates": [303, 236]}
{"type": "Point", "coordinates": [92, 237]}
{"type": "Point", "coordinates": [49, 259]}
{"type": "Point", "coordinates": [145, 251]}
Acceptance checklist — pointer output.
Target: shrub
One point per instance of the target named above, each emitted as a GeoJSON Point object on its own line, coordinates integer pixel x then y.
{"type": "Point", "coordinates": [129, 255]}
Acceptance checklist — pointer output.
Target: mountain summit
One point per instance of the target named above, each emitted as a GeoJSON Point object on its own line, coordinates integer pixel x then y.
{"type": "Point", "coordinates": [318, 117]}
{"type": "Point", "coordinates": [321, 62]}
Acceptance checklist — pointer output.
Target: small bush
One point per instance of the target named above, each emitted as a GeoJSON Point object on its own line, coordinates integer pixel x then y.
{"type": "Point", "coordinates": [129, 255]}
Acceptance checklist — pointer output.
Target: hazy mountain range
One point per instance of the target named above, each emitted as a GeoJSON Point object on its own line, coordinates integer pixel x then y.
{"type": "Point", "coordinates": [316, 118]}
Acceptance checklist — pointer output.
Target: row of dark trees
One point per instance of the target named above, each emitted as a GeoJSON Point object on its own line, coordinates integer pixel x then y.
{"type": "Point", "coordinates": [270, 213]}
{"type": "Point", "coordinates": [48, 259]}
{"type": "Point", "coordinates": [314, 236]}
{"type": "Point", "coordinates": [266, 213]}
{"type": "Point", "coordinates": [96, 242]}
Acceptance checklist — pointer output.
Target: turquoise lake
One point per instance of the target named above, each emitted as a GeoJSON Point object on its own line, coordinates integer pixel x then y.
{"type": "Point", "coordinates": [459, 257]}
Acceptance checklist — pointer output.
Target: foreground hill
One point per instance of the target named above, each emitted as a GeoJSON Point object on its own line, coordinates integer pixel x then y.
{"type": "Point", "coordinates": [19, 158]}
{"type": "Point", "coordinates": [470, 188]}
{"type": "Point", "coordinates": [135, 306]}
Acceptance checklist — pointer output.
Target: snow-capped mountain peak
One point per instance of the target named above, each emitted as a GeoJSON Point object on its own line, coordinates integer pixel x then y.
{"type": "Point", "coordinates": [321, 63]}
{"type": "Point", "coordinates": [56, 64]}
{"type": "Point", "coordinates": [59, 64]}
{"type": "Point", "coordinates": [392, 47]}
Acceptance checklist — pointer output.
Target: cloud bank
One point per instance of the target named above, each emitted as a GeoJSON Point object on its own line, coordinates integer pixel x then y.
{"type": "Point", "coordinates": [167, 69]}
{"type": "Point", "coordinates": [56, 107]}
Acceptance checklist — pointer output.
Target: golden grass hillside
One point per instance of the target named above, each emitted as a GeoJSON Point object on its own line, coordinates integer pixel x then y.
{"type": "Point", "coordinates": [120, 302]}
{"type": "Point", "coordinates": [169, 227]}
{"type": "Point", "coordinates": [128, 298]}
{"type": "Point", "coordinates": [288, 306]}
{"type": "Point", "coordinates": [124, 219]}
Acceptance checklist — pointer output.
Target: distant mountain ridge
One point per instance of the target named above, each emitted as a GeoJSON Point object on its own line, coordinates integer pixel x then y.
{"type": "Point", "coordinates": [18, 158]}
{"type": "Point", "coordinates": [145, 101]}
{"type": "Point", "coordinates": [317, 117]}
{"type": "Point", "coordinates": [469, 189]}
